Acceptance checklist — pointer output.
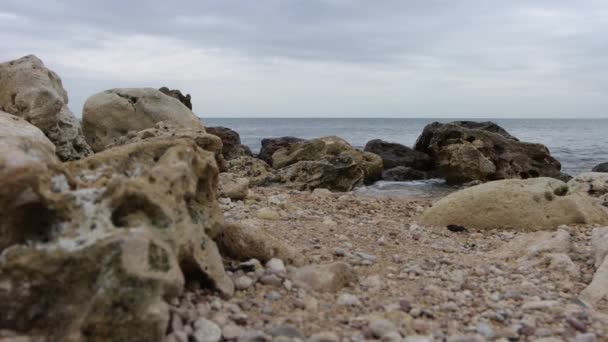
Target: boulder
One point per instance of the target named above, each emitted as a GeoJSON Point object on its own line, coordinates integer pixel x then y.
{"type": "Point", "coordinates": [186, 100]}
{"type": "Point", "coordinates": [593, 184]}
{"type": "Point", "coordinates": [525, 205]}
{"type": "Point", "coordinates": [464, 154]}
{"type": "Point", "coordinates": [245, 240]}
{"type": "Point", "coordinates": [324, 278]}
{"type": "Point", "coordinates": [114, 236]}
{"type": "Point", "coordinates": [403, 173]}
{"type": "Point", "coordinates": [232, 186]}
{"type": "Point", "coordinates": [338, 173]}
{"type": "Point", "coordinates": [256, 170]}
{"type": "Point", "coordinates": [603, 167]}
{"type": "Point", "coordinates": [232, 147]}
{"type": "Point", "coordinates": [113, 113]}
{"type": "Point", "coordinates": [31, 91]}
{"type": "Point", "coordinates": [428, 133]}
{"type": "Point", "coordinates": [328, 149]}
{"type": "Point", "coordinates": [271, 145]}
{"type": "Point", "coordinates": [598, 288]}
{"type": "Point", "coordinates": [394, 155]}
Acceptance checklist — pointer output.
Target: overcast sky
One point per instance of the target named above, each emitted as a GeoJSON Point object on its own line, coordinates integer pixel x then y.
{"type": "Point", "coordinates": [426, 58]}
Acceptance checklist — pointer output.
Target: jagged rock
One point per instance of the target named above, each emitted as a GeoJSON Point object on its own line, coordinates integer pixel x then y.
{"type": "Point", "coordinates": [603, 167]}
{"type": "Point", "coordinates": [598, 288]}
{"type": "Point", "coordinates": [527, 205]}
{"type": "Point", "coordinates": [329, 149]}
{"type": "Point", "coordinates": [232, 147]}
{"type": "Point", "coordinates": [114, 236]}
{"type": "Point", "coordinates": [113, 113]}
{"type": "Point", "coordinates": [244, 241]}
{"type": "Point", "coordinates": [403, 173]}
{"type": "Point", "coordinates": [186, 100]}
{"type": "Point", "coordinates": [428, 133]}
{"type": "Point", "coordinates": [31, 91]}
{"type": "Point", "coordinates": [394, 155]}
{"type": "Point", "coordinates": [324, 278]}
{"type": "Point", "coordinates": [463, 154]}
{"type": "Point", "coordinates": [256, 170]}
{"type": "Point", "coordinates": [339, 173]}
{"type": "Point", "coordinates": [593, 184]}
{"type": "Point", "coordinates": [233, 187]}
{"type": "Point", "coordinates": [271, 145]}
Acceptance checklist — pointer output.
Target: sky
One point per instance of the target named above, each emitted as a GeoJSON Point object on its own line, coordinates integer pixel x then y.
{"type": "Point", "coordinates": [321, 58]}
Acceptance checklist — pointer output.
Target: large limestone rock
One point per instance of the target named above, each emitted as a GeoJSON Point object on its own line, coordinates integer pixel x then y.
{"type": "Point", "coordinates": [525, 205]}
{"type": "Point", "coordinates": [271, 145]}
{"type": "Point", "coordinates": [31, 91]}
{"type": "Point", "coordinates": [256, 170]}
{"type": "Point", "coordinates": [327, 149]}
{"type": "Point", "coordinates": [394, 155]}
{"type": "Point", "coordinates": [114, 236]}
{"type": "Point", "coordinates": [113, 113]}
{"type": "Point", "coordinates": [176, 93]}
{"type": "Point", "coordinates": [339, 173]}
{"type": "Point", "coordinates": [466, 152]}
{"type": "Point", "coordinates": [231, 140]}
{"type": "Point", "coordinates": [594, 184]}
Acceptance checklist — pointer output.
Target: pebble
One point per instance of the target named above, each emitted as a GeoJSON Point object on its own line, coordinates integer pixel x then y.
{"type": "Point", "coordinates": [243, 282]}
{"type": "Point", "coordinates": [276, 266]}
{"type": "Point", "coordinates": [539, 305]}
{"type": "Point", "coordinates": [286, 330]}
{"type": "Point", "coordinates": [231, 331]}
{"type": "Point", "coordinates": [381, 241]}
{"type": "Point", "coordinates": [588, 337]}
{"type": "Point", "coordinates": [267, 214]}
{"type": "Point", "coordinates": [253, 336]}
{"type": "Point", "coordinates": [418, 338]}
{"type": "Point", "coordinates": [380, 327]}
{"type": "Point", "coordinates": [273, 295]}
{"type": "Point", "coordinates": [271, 279]}
{"type": "Point", "coordinates": [325, 336]}
{"type": "Point", "coordinates": [486, 330]}
{"type": "Point", "coordinates": [206, 331]}
{"type": "Point", "coordinates": [348, 299]}
{"type": "Point", "coordinates": [339, 252]}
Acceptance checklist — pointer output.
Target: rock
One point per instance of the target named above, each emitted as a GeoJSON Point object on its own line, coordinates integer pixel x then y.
{"type": "Point", "coordinates": [463, 154]}
{"type": "Point", "coordinates": [232, 147]}
{"type": "Point", "coordinates": [286, 330]}
{"type": "Point", "coordinates": [253, 336]}
{"type": "Point", "coordinates": [31, 91]}
{"type": "Point", "coordinates": [231, 331]}
{"type": "Point", "coordinates": [324, 336]}
{"type": "Point", "coordinates": [243, 282]}
{"type": "Point", "coordinates": [526, 205]}
{"type": "Point", "coordinates": [339, 173]}
{"type": "Point", "coordinates": [593, 184]}
{"type": "Point", "coordinates": [347, 299]}
{"type": "Point", "coordinates": [598, 288]}
{"type": "Point", "coordinates": [394, 155]}
{"type": "Point", "coordinates": [233, 187]}
{"type": "Point", "coordinates": [244, 241]}
{"type": "Point", "coordinates": [268, 214]}
{"type": "Point", "coordinates": [381, 327]}
{"type": "Point", "coordinates": [276, 266]}
{"type": "Point", "coordinates": [186, 100]}
{"type": "Point", "coordinates": [532, 246]}
{"type": "Point", "coordinates": [271, 145]}
{"type": "Point", "coordinates": [403, 174]}
{"type": "Point", "coordinates": [603, 167]}
{"type": "Point", "coordinates": [324, 278]}
{"type": "Point", "coordinates": [206, 331]}
{"type": "Point", "coordinates": [128, 225]}
{"type": "Point", "coordinates": [328, 149]}
{"type": "Point", "coordinates": [256, 170]}
{"type": "Point", "coordinates": [113, 113]}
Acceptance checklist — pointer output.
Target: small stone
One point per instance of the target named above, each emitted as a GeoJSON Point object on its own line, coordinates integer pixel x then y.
{"type": "Point", "coordinates": [418, 338]}
{"type": "Point", "coordinates": [286, 330]}
{"type": "Point", "coordinates": [380, 327]}
{"type": "Point", "coordinates": [392, 336]}
{"type": "Point", "coordinates": [539, 305]}
{"type": "Point", "coordinates": [276, 266]}
{"type": "Point", "coordinates": [231, 331]}
{"type": "Point", "coordinates": [325, 336]}
{"type": "Point", "coordinates": [239, 318]}
{"type": "Point", "coordinates": [381, 241]}
{"type": "Point", "coordinates": [243, 282]}
{"type": "Point", "coordinates": [373, 281]}
{"type": "Point", "coordinates": [271, 279]}
{"type": "Point", "coordinates": [268, 214]}
{"type": "Point", "coordinates": [339, 252]}
{"type": "Point", "coordinates": [405, 305]}
{"type": "Point", "coordinates": [273, 295]}
{"type": "Point", "coordinates": [485, 329]}
{"type": "Point", "coordinates": [588, 337]}
{"type": "Point", "coordinates": [348, 299]}
{"type": "Point", "coordinates": [253, 336]}
{"type": "Point", "coordinates": [206, 331]}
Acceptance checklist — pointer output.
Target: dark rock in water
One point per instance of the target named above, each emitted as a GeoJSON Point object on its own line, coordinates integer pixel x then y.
{"type": "Point", "coordinates": [394, 155]}
{"type": "Point", "coordinates": [232, 147]}
{"type": "Point", "coordinates": [403, 173]}
{"type": "Point", "coordinates": [464, 154]}
{"type": "Point", "coordinates": [603, 167]}
{"type": "Point", "coordinates": [271, 145]}
{"type": "Point", "coordinates": [185, 99]}
{"type": "Point", "coordinates": [424, 140]}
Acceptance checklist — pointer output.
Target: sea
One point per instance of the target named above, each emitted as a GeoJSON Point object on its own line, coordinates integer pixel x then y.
{"type": "Point", "coordinates": [579, 144]}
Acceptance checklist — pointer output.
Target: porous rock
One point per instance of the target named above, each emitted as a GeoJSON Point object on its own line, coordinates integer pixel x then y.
{"type": "Point", "coordinates": [233, 187]}
{"type": "Point", "coordinates": [526, 205]}
{"type": "Point", "coordinates": [271, 145]}
{"type": "Point", "coordinates": [31, 91]}
{"type": "Point", "coordinates": [113, 113]}
{"type": "Point", "coordinates": [324, 278]}
{"type": "Point", "coordinates": [231, 142]}
{"type": "Point", "coordinates": [256, 170]}
{"type": "Point", "coordinates": [394, 155]}
{"type": "Point", "coordinates": [598, 288]}
{"type": "Point", "coordinates": [186, 100]}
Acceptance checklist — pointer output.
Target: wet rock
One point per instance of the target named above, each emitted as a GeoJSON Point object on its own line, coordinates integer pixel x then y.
{"type": "Point", "coordinates": [186, 100]}
{"type": "Point", "coordinates": [231, 141]}
{"type": "Point", "coordinates": [403, 174]}
{"type": "Point", "coordinates": [324, 278]}
{"type": "Point", "coordinates": [31, 91]}
{"type": "Point", "coordinates": [233, 187]}
{"type": "Point", "coordinates": [526, 205]}
{"type": "Point", "coordinates": [113, 113]}
{"type": "Point", "coordinates": [394, 155]}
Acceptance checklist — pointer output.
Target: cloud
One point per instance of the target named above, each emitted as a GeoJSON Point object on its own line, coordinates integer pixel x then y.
{"type": "Point", "coordinates": [328, 57]}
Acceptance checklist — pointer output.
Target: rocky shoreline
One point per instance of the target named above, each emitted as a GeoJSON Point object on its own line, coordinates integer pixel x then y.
{"type": "Point", "coordinates": [145, 225]}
